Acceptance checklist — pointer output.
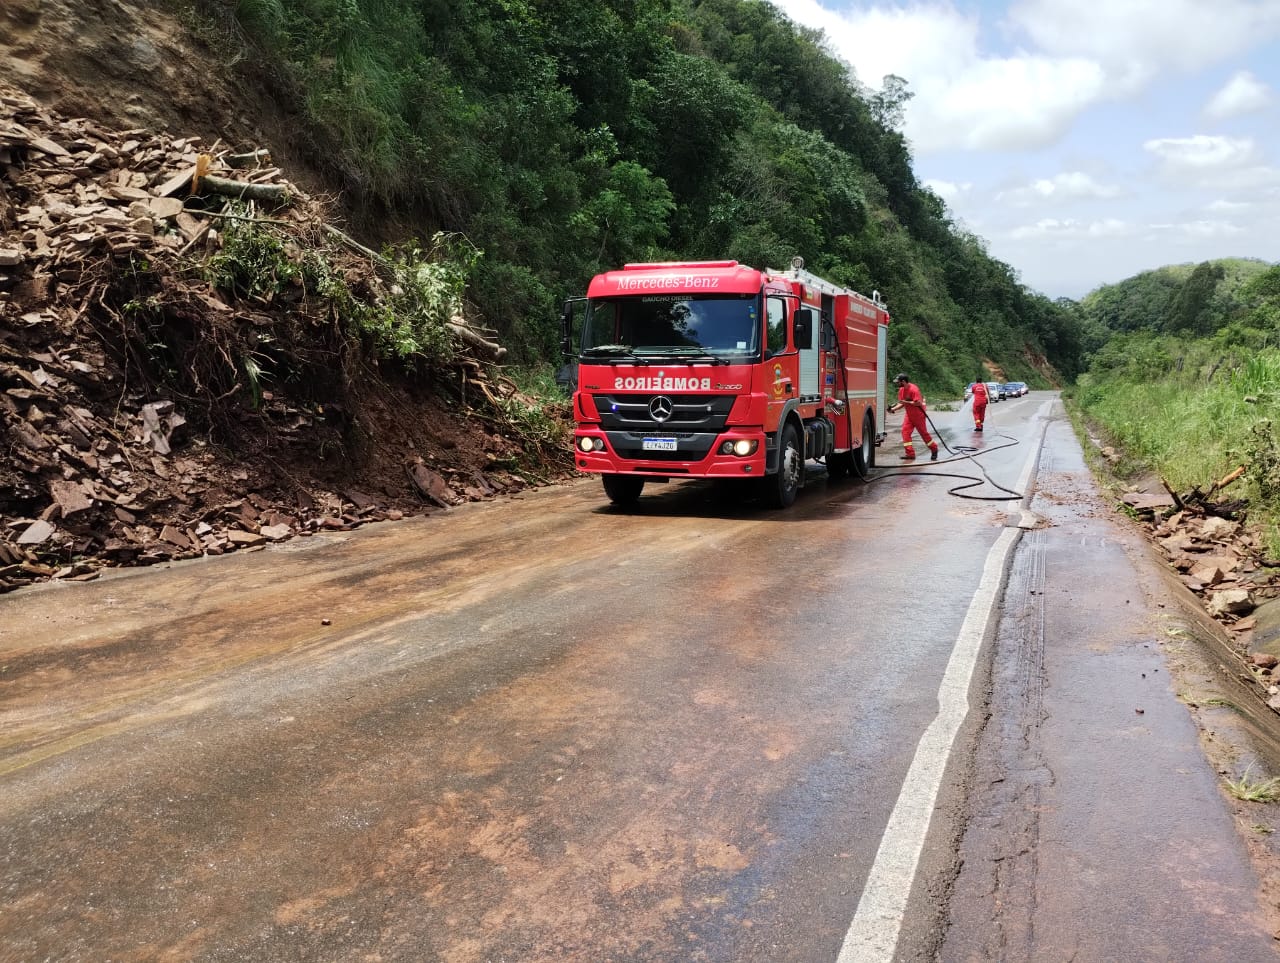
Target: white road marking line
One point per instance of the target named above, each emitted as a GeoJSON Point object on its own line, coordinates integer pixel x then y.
{"type": "Point", "coordinates": [1042, 416]}
{"type": "Point", "coordinates": [873, 935]}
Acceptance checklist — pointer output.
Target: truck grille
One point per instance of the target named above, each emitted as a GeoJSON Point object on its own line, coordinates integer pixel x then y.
{"type": "Point", "coordinates": [699, 414]}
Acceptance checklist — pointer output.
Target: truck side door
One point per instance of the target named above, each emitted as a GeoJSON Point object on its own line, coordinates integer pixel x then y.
{"type": "Point", "coordinates": [781, 371]}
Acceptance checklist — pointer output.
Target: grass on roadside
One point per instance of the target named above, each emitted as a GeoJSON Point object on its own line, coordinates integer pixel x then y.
{"type": "Point", "coordinates": [1248, 789]}
{"type": "Point", "coordinates": [1192, 413]}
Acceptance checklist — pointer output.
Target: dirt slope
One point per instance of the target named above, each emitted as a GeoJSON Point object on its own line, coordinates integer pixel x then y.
{"type": "Point", "coordinates": [144, 413]}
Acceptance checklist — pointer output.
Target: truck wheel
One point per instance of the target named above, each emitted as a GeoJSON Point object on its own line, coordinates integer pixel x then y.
{"type": "Point", "coordinates": [783, 486]}
{"type": "Point", "coordinates": [864, 456]}
{"type": "Point", "coordinates": [623, 490]}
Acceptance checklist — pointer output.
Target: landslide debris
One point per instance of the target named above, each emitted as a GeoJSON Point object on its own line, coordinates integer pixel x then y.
{"type": "Point", "coordinates": [182, 372]}
{"type": "Point", "coordinates": [1205, 541]}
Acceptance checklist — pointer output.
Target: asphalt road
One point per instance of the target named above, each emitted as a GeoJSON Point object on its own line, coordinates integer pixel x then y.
{"type": "Point", "coordinates": [540, 729]}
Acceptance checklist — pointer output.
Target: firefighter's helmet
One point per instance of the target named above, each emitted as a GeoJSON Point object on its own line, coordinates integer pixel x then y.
{"type": "Point", "coordinates": [901, 378]}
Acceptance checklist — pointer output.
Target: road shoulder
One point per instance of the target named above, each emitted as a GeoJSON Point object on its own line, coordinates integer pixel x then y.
{"type": "Point", "coordinates": [1100, 827]}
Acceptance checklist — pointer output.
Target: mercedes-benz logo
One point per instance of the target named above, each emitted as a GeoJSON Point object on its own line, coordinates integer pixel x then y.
{"type": "Point", "coordinates": [660, 408]}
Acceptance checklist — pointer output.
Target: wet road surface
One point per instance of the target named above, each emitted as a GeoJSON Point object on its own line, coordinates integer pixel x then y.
{"type": "Point", "coordinates": [533, 730]}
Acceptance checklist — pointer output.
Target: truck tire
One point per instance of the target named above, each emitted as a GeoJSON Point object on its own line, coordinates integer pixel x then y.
{"type": "Point", "coordinates": [783, 486]}
{"type": "Point", "coordinates": [623, 490]}
{"type": "Point", "coordinates": [864, 456]}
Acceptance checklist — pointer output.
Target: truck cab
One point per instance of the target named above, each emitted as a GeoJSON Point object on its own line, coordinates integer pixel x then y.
{"type": "Point", "coordinates": [716, 370]}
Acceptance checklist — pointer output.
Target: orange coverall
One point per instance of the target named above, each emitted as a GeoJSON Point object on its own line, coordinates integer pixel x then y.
{"type": "Point", "coordinates": [979, 404]}
{"type": "Point", "coordinates": [914, 420]}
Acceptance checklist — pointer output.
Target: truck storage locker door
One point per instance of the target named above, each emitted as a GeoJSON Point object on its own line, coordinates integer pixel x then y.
{"type": "Point", "coordinates": [810, 359]}
{"type": "Point", "coordinates": [882, 359]}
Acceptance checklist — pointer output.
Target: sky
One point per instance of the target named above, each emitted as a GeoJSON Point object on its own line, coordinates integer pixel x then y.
{"type": "Point", "coordinates": [1085, 141]}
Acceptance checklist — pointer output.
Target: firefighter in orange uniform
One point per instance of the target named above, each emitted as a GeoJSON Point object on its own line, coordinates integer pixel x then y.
{"type": "Point", "coordinates": [909, 398]}
{"type": "Point", "coordinates": [979, 404]}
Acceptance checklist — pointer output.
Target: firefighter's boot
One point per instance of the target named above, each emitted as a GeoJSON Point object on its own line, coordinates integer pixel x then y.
{"type": "Point", "coordinates": [909, 454]}
{"type": "Point", "coordinates": [977, 427]}
{"type": "Point", "coordinates": [933, 452]}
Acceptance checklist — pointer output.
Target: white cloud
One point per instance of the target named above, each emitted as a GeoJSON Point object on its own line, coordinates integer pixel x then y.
{"type": "Point", "coordinates": [946, 189]}
{"type": "Point", "coordinates": [922, 40]}
{"type": "Point", "coordinates": [960, 97]}
{"type": "Point", "coordinates": [1243, 94]}
{"type": "Point", "coordinates": [1227, 207]}
{"type": "Point", "coordinates": [1005, 104]}
{"type": "Point", "coordinates": [1073, 185]}
{"type": "Point", "coordinates": [1051, 227]}
{"type": "Point", "coordinates": [1137, 39]}
{"type": "Point", "coordinates": [1069, 56]}
{"type": "Point", "coordinates": [1198, 230]}
{"type": "Point", "coordinates": [1202, 152]}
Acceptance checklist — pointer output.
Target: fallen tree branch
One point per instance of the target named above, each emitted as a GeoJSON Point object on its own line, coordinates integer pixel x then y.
{"type": "Point", "coordinates": [353, 243]}
{"type": "Point", "coordinates": [240, 217]}
{"type": "Point", "coordinates": [1172, 494]}
{"type": "Point", "coordinates": [1227, 479]}
{"type": "Point", "coordinates": [243, 190]}
{"type": "Point", "coordinates": [495, 351]}
{"type": "Point", "coordinates": [253, 159]}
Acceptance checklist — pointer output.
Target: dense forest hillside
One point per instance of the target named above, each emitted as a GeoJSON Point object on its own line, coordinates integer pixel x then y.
{"type": "Point", "coordinates": [1183, 375]}
{"type": "Point", "coordinates": [1230, 297]}
{"type": "Point", "coordinates": [563, 138]}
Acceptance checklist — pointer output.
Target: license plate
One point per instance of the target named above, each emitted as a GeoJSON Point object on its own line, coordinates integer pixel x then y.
{"type": "Point", "coordinates": [658, 444]}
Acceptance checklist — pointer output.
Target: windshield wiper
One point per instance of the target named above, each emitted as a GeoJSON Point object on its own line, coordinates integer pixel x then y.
{"type": "Point", "coordinates": [690, 355]}
{"type": "Point", "coordinates": [614, 352]}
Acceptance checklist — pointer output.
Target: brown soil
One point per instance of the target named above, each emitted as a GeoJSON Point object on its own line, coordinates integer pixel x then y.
{"type": "Point", "coordinates": [129, 432]}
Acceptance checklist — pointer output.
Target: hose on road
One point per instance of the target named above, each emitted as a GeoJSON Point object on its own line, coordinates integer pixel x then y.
{"type": "Point", "coordinates": [960, 451]}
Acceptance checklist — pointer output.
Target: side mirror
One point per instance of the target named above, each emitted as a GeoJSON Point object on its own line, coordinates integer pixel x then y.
{"type": "Point", "coordinates": [566, 326]}
{"type": "Point", "coordinates": [802, 329]}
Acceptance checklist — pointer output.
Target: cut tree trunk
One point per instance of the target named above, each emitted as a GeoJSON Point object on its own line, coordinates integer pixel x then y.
{"type": "Point", "coordinates": [266, 193]}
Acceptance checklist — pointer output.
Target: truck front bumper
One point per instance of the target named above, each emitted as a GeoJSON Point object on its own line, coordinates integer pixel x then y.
{"type": "Point", "coordinates": [678, 455]}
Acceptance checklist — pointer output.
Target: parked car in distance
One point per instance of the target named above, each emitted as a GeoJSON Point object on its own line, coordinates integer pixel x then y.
{"type": "Point", "coordinates": [993, 391]}
{"type": "Point", "coordinates": [1015, 389]}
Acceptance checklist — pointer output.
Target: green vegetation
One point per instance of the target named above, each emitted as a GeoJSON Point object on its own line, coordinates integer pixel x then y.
{"type": "Point", "coordinates": [570, 136]}
{"type": "Point", "coordinates": [1249, 789]}
{"type": "Point", "coordinates": [408, 320]}
{"type": "Point", "coordinates": [564, 138]}
{"type": "Point", "coordinates": [1192, 395]}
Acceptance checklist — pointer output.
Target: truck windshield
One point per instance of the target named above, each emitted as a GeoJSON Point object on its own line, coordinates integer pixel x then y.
{"type": "Point", "coordinates": [672, 326]}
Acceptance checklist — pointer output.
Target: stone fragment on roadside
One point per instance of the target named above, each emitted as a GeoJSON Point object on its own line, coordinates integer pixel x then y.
{"type": "Point", "coordinates": [36, 533]}
{"type": "Point", "coordinates": [1215, 528]}
{"type": "Point", "coordinates": [1206, 573]}
{"type": "Point", "coordinates": [1147, 502]}
{"type": "Point", "coordinates": [1177, 543]}
{"type": "Point", "coordinates": [431, 485]}
{"type": "Point", "coordinates": [242, 539]}
{"type": "Point", "coordinates": [1264, 660]}
{"type": "Point", "coordinates": [175, 537]}
{"type": "Point", "coordinates": [275, 533]}
{"type": "Point", "coordinates": [70, 497]}
{"type": "Point", "coordinates": [1231, 602]}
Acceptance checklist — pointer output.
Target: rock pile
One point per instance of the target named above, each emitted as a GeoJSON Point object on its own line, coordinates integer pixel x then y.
{"type": "Point", "coordinates": [1224, 563]}
{"type": "Point", "coordinates": [100, 467]}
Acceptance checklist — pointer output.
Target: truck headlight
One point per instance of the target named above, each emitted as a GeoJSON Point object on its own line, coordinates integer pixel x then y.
{"type": "Point", "coordinates": [588, 443]}
{"type": "Point", "coordinates": [742, 447]}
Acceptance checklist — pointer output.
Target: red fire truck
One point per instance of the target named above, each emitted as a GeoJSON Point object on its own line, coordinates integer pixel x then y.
{"type": "Point", "coordinates": [712, 369]}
